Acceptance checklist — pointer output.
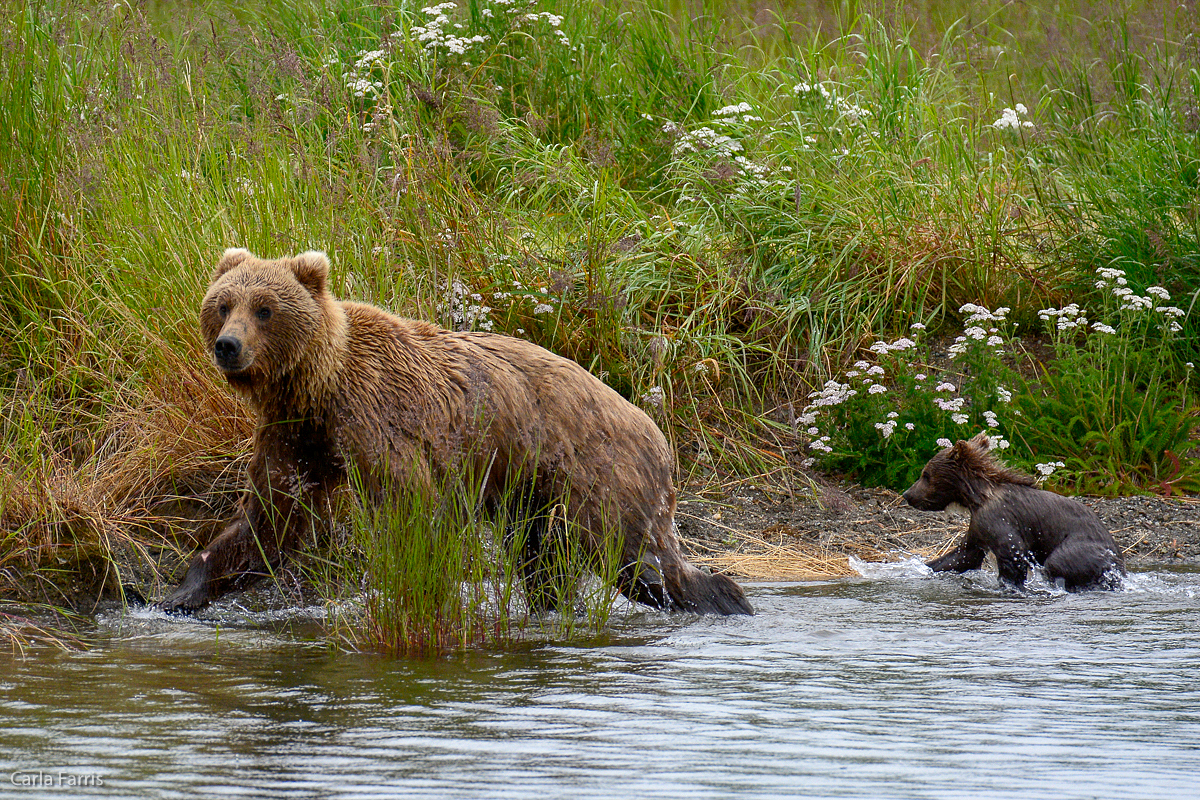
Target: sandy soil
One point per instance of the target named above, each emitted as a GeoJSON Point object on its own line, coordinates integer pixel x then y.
{"type": "Point", "coordinates": [766, 535]}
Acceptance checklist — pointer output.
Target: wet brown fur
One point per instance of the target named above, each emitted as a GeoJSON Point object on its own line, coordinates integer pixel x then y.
{"type": "Point", "coordinates": [1021, 524]}
{"type": "Point", "coordinates": [340, 384]}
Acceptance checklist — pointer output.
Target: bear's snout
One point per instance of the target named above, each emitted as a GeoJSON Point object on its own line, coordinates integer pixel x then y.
{"type": "Point", "coordinates": [918, 497]}
{"type": "Point", "coordinates": [227, 351]}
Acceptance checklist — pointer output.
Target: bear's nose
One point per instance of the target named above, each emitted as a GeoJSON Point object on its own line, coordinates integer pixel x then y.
{"type": "Point", "coordinates": [227, 349]}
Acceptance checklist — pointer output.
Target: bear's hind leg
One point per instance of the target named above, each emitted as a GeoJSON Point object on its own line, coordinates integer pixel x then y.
{"type": "Point", "coordinates": [1084, 565]}
{"type": "Point", "coordinates": [542, 554]}
{"type": "Point", "coordinates": [642, 582]}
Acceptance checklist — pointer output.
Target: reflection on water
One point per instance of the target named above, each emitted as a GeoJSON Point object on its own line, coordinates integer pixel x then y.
{"type": "Point", "coordinates": [896, 685]}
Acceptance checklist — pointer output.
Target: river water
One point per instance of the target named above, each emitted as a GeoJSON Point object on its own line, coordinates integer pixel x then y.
{"type": "Point", "coordinates": [895, 684]}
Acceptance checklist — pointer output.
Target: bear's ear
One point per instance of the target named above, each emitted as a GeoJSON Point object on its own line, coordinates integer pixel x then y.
{"type": "Point", "coordinates": [232, 257]}
{"type": "Point", "coordinates": [981, 442]}
{"type": "Point", "coordinates": [311, 269]}
{"type": "Point", "coordinates": [963, 450]}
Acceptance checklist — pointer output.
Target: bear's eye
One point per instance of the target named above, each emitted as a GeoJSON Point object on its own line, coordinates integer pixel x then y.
{"type": "Point", "coordinates": [263, 313]}
{"type": "Point", "coordinates": [223, 309]}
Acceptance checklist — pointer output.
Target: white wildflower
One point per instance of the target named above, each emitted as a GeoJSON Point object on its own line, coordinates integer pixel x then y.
{"type": "Point", "coordinates": [726, 111]}
{"type": "Point", "coordinates": [943, 442]}
{"type": "Point", "coordinates": [878, 388]}
{"type": "Point", "coordinates": [1004, 395]}
{"type": "Point", "coordinates": [832, 394]}
{"type": "Point", "coordinates": [1010, 119]}
{"type": "Point", "coordinates": [1100, 327]}
{"type": "Point", "coordinates": [916, 326]}
{"type": "Point", "coordinates": [543, 308]}
{"type": "Point", "coordinates": [886, 428]}
{"type": "Point", "coordinates": [959, 419]}
{"type": "Point", "coordinates": [1158, 292]}
{"type": "Point", "coordinates": [875, 370]}
{"type": "Point", "coordinates": [955, 404]}
{"type": "Point", "coordinates": [1049, 467]}
{"type": "Point", "coordinates": [821, 445]}
{"type": "Point", "coordinates": [654, 397]}
{"type": "Point", "coordinates": [945, 387]}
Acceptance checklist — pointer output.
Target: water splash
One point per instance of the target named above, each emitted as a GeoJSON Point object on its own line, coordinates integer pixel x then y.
{"type": "Point", "coordinates": [911, 567]}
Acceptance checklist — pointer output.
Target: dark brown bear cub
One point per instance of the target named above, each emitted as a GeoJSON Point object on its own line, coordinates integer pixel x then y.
{"type": "Point", "coordinates": [1021, 524]}
{"type": "Point", "coordinates": [344, 388]}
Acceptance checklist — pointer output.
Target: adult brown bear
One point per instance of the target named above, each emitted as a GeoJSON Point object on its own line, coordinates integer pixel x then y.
{"type": "Point", "coordinates": [340, 386]}
{"type": "Point", "coordinates": [1021, 524]}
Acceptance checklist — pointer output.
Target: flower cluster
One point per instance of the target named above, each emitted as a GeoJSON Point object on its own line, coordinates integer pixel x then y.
{"type": "Point", "coordinates": [700, 140]}
{"type": "Point", "coordinates": [360, 77]}
{"type": "Point", "coordinates": [466, 308]}
{"type": "Point", "coordinates": [554, 21]}
{"type": "Point", "coordinates": [853, 113]}
{"type": "Point", "coordinates": [1049, 468]}
{"type": "Point", "coordinates": [1010, 119]}
{"type": "Point", "coordinates": [1067, 318]}
{"type": "Point", "coordinates": [1071, 317]}
{"type": "Point", "coordinates": [977, 317]}
{"type": "Point", "coordinates": [655, 397]}
{"type": "Point", "coordinates": [736, 113]}
{"type": "Point", "coordinates": [880, 420]}
{"type": "Point", "coordinates": [435, 34]}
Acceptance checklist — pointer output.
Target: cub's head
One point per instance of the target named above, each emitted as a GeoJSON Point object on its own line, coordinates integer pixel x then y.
{"type": "Point", "coordinates": [259, 317]}
{"type": "Point", "coordinates": [965, 474]}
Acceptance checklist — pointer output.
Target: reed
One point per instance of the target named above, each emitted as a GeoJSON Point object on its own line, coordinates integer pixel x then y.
{"type": "Point", "coordinates": [421, 573]}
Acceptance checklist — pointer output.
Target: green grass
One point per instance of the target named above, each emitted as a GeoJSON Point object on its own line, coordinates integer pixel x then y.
{"type": "Point", "coordinates": [420, 574]}
{"type": "Point", "coordinates": [571, 187]}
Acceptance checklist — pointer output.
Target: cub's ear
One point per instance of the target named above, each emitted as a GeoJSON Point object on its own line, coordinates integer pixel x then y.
{"type": "Point", "coordinates": [972, 449]}
{"type": "Point", "coordinates": [962, 450]}
{"type": "Point", "coordinates": [232, 257]}
{"type": "Point", "coordinates": [311, 269]}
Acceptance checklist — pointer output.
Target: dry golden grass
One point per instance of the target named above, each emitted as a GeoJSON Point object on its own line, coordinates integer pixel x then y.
{"type": "Point", "coordinates": [160, 466]}
{"type": "Point", "coordinates": [756, 557]}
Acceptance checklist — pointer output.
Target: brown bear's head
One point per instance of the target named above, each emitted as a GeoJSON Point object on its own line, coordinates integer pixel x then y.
{"type": "Point", "coordinates": [965, 474]}
{"type": "Point", "coordinates": [259, 317]}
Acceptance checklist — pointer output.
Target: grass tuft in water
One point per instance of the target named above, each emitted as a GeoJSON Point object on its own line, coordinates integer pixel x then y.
{"type": "Point", "coordinates": [419, 572]}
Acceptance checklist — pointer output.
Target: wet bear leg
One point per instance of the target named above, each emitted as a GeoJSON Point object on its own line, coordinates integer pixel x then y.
{"type": "Point", "coordinates": [1084, 565]}
{"type": "Point", "coordinates": [542, 551]}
